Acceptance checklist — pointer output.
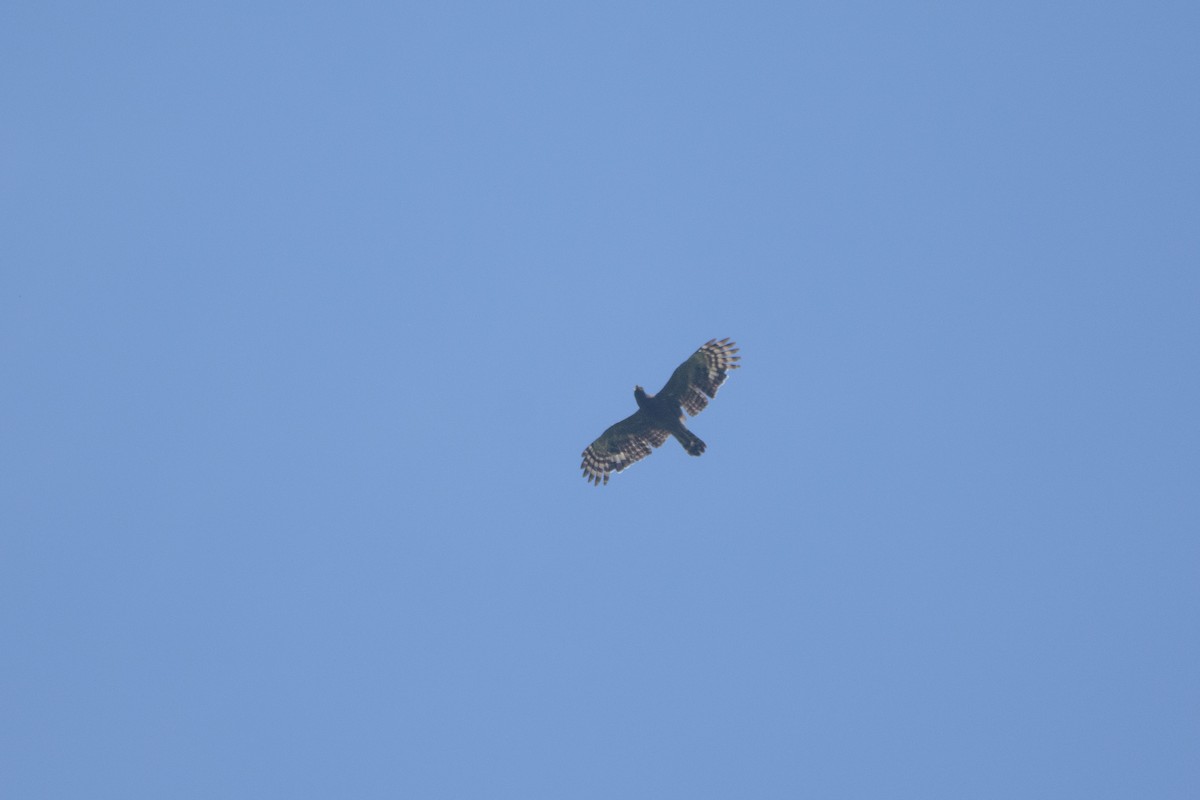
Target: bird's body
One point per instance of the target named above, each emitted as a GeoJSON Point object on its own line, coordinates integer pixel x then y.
{"type": "Point", "coordinates": [667, 413]}
{"type": "Point", "coordinates": [658, 416]}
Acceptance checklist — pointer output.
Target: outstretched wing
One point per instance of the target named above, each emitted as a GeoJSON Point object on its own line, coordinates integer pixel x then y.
{"type": "Point", "coordinates": [628, 441]}
{"type": "Point", "coordinates": [698, 378]}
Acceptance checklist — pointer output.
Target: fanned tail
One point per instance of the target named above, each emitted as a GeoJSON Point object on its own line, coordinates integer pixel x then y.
{"type": "Point", "coordinates": [690, 441]}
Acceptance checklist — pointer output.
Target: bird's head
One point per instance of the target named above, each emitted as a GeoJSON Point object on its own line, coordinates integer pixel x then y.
{"type": "Point", "coordinates": [639, 394]}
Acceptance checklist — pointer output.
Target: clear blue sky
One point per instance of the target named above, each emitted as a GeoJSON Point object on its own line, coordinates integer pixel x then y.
{"type": "Point", "coordinates": [307, 311]}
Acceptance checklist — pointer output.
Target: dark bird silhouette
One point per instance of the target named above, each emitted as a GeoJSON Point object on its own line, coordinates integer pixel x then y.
{"type": "Point", "coordinates": [661, 415]}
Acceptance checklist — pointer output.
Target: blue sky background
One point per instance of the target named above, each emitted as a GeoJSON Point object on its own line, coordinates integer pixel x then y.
{"type": "Point", "coordinates": [307, 311]}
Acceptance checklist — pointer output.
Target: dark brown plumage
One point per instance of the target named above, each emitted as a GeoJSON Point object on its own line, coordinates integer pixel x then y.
{"type": "Point", "coordinates": [661, 415]}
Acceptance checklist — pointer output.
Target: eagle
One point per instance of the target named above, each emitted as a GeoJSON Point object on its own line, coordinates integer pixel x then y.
{"type": "Point", "coordinates": [661, 415]}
